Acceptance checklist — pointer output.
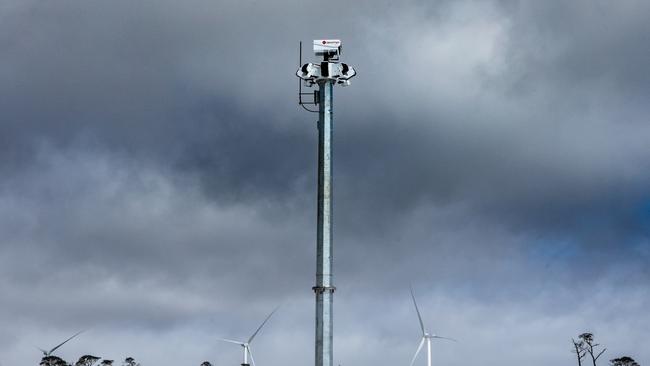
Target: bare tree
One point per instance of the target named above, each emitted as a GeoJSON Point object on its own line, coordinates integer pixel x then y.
{"type": "Point", "coordinates": [579, 350]}
{"type": "Point", "coordinates": [590, 346]}
{"type": "Point", "coordinates": [623, 361]}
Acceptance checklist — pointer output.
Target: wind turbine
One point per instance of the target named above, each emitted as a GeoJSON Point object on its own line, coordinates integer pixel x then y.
{"type": "Point", "coordinates": [246, 344]}
{"type": "Point", "coordinates": [426, 336]}
{"type": "Point", "coordinates": [49, 353]}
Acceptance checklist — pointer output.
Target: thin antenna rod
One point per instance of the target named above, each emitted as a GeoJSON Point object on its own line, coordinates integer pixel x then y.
{"type": "Point", "coordinates": [300, 81]}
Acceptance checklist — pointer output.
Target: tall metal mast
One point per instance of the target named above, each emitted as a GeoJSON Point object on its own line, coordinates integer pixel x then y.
{"type": "Point", "coordinates": [325, 75]}
{"type": "Point", "coordinates": [324, 288]}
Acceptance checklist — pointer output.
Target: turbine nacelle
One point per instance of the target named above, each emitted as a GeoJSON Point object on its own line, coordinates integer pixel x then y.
{"type": "Point", "coordinates": [433, 336]}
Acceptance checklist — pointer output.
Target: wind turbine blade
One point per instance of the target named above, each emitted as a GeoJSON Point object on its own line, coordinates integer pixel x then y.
{"type": "Point", "coordinates": [251, 354]}
{"type": "Point", "coordinates": [416, 352]}
{"type": "Point", "coordinates": [64, 342]}
{"type": "Point", "coordinates": [417, 311]}
{"type": "Point", "coordinates": [447, 338]}
{"type": "Point", "coordinates": [231, 341]}
{"type": "Point", "coordinates": [261, 325]}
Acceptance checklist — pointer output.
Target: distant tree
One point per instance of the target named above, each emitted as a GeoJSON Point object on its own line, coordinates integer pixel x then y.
{"type": "Point", "coordinates": [87, 360]}
{"type": "Point", "coordinates": [206, 363]}
{"type": "Point", "coordinates": [579, 350]}
{"type": "Point", "coordinates": [590, 346]}
{"type": "Point", "coordinates": [130, 361]}
{"type": "Point", "coordinates": [107, 362]}
{"type": "Point", "coordinates": [623, 361]}
{"type": "Point", "coordinates": [53, 361]}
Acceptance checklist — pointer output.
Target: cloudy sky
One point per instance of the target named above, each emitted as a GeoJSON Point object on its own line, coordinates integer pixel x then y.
{"type": "Point", "coordinates": [158, 179]}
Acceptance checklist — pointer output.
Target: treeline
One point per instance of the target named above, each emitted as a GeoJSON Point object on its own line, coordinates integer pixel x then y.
{"type": "Point", "coordinates": [90, 360]}
{"type": "Point", "coordinates": [587, 352]}
{"type": "Point", "coordinates": [85, 360]}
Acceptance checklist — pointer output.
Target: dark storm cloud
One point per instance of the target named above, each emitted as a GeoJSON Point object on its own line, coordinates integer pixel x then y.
{"type": "Point", "coordinates": [557, 152]}
{"type": "Point", "coordinates": [177, 89]}
{"type": "Point", "coordinates": [158, 177]}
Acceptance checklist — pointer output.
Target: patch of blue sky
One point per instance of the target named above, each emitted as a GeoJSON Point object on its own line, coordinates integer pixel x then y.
{"type": "Point", "coordinates": [643, 215]}
{"type": "Point", "coordinates": [555, 250]}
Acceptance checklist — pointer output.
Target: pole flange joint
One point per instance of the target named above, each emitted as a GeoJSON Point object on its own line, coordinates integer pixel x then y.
{"type": "Point", "coordinates": [323, 289]}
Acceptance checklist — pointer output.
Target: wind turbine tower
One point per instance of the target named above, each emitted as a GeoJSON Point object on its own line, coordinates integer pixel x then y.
{"type": "Point", "coordinates": [325, 74]}
{"type": "Point", "coordinates": [426, 336]}
{"type": "Point", "coordinates": [246, 345]}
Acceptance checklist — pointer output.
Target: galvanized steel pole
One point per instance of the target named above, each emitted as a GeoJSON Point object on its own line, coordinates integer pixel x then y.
{"type": "Point", "coordinates": [324, 289]}
{"type": "Point", "coordinates": [325, 74]}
